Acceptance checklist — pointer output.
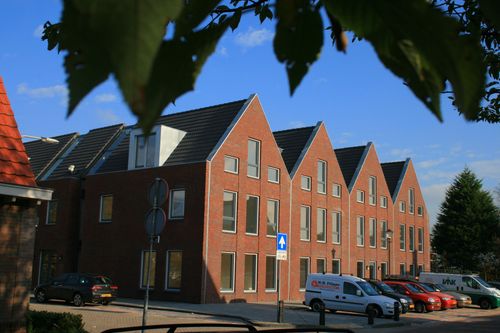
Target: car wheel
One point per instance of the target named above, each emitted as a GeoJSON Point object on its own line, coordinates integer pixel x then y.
{"type": "Point", "coordinates": [377, 311]}
{"type": "Point", "coordinates": [105, 302]}
{"type": "Point", "coordinates": [485, 304]}
{"type": "Point", "coordinates": [419, 307]}
{"type": "Point", "coordinates": [77, 300]}
{"type": "Point", "coordinates": [40, 296]}
{"type": "Point", "coordinates": [316, 305]}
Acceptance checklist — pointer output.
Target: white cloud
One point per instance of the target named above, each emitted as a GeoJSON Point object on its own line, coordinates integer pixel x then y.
{"type": "Point", "coordinates": [105, 98]}
{"type": "Point", "coordinates": [431, 163]}
{"type": "Point", "coordinates": [486, 169]}
{"type": "Point", "coordinates": [222, 51]}
{"type": "Point", "coordinates": [43, 92]}
{"type": "Point", "coordinates": [108, 116]}
{"type": "Point", "coordinates": [296, 123]}
{"type": "Point", "coordinates": [253, 37]}
{"type": "Point", "coordinates": [439, 175]}
{"type": "Point", "coordinates": [343, 138]}
{"type": "Point", "coordinates": [401, 153]}
{"type": "Point", "coordinates": [434, 195]}
{"type": "Point", "coordinates": [38, 32]}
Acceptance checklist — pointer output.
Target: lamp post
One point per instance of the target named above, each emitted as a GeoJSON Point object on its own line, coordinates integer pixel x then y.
{"type": "Point", "coordinates": [41, 138]}
{"type": "Point", "coordinates": [388, 236]}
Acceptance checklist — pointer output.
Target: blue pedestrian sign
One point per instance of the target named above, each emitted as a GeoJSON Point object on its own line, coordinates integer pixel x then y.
{"type": "Point", "coordinates": [281, 246]}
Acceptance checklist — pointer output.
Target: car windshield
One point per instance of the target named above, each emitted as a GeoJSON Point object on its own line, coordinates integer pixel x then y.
{"type": "Point", "coordinates": [385, 287]}
{"type": "Point", "coordinates": [367, 288]}
{"type": "Point", "coordinates": [426, 287]}
{"type": "Point", "coordinates": [101, 280]}
{"type": "Point", "coordinates": [413, 289]}
{"type": "Point", "coordinates": [440, 286]}
{"type": "Point", "coordinates": [481, 281]}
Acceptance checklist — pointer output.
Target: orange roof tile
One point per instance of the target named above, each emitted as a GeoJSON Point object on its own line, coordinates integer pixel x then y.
{"type": "Point", "coordinates": [14, 163]}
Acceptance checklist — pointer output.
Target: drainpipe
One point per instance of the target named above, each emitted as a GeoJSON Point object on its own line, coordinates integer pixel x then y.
{"type": "Point", "coordinates": [348, 233]}
{"type": "Point", "coordinates": [290, 237]}
{"type": "Point", "coordinates": [205, 269]}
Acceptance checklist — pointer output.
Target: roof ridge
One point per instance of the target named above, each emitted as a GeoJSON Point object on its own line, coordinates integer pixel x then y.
{"type": "Point", "coordinates": [294, 129]}
{"type": "Point", "coordinates": [345, 148]}
{"type": "Point", "coordinates": [199, 109]}
{"type": "Point", "coordinates": [393, 162]}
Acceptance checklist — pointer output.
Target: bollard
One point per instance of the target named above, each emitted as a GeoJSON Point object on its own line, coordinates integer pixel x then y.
{"type": "Point", "coordinates": [371, 315]}
{"type": "Point", "coordinates": [281, 306]}
{"type": "Point", "coordinates": [322, 315]}
{"type": "Point", "coordinates": [396, 311]}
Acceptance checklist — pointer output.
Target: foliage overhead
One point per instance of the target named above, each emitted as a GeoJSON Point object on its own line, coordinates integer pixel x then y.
{"type": "Point", "coordinates": [468, 223]}
{"type": "Point", "coordinates": [156, 49]}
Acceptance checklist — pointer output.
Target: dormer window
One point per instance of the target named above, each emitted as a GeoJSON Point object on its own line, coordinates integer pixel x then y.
{"type": "Point", "coordinates": [145, 151]}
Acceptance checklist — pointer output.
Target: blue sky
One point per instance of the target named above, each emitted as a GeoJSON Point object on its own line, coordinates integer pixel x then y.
{"type": "Point", "coordinates": [357, 98]}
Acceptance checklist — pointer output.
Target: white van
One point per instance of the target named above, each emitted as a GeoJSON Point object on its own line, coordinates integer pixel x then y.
{"type": "Point", "coordinates": [345, 293]}
{"type": "Point", "coordinates": [479, 290]}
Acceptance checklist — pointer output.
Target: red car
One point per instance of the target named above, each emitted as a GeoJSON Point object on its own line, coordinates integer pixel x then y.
{"type": "Point", "coordinates": [423, 301]}
{"type": "Point", "coordinates": [447, 301]}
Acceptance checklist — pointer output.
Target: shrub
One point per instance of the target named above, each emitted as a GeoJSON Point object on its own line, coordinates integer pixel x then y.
{"type": "Point", "coordinates": [52, 322]}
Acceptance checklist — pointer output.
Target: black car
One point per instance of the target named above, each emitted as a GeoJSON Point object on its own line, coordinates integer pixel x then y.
{"type": "Point", "coordinates": [384, 289]}
{"type": "Point", "coordinates": [78, 288]}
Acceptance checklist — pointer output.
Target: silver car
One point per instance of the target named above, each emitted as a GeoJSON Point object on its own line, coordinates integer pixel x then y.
{"type": "Point", "coordinates": [462, 300]}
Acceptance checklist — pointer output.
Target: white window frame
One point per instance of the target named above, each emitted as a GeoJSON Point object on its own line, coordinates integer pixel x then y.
{"type": "Point", "coordinates": [235, 212]}
{"type": "Point", "coordinates": [275, 275]}
{"type": "Point", "coordinates": [420, 210]}
{"type": "Point", "coordinates": [258, 159]}
{"type": "Point", "coordinates": [146, 150]}
{"type": "Point", "coordinates": [322, 177]}
{"type": "Point", "coordinates": [420, 240]}
{"type": "Point", "coordinates": [325, 268]}
{"type": "Point", "coordinates": [167, 270]}
{"type": "Point", "coordinates": [141, 272]}
{"type": "Point", "coordinates": [360, 231]}
{"type": "Point", "coordinates": [411, 238]}
{"type": "Point", "coordinates": [309, 183]}
{"type": "Point", "coordinates": [402, 237]}
{"type": "Point", "coordinates": [49, 204]}
{"type": "Point", "coordinates": [383, 201]}
{"type": "Point", "coordinates": [360, 196]}
{"type": "Point", "coordinates": [237, 164]}
{"type": "Point", "coordinates": [228, 291]}
{"type": "Point", "coordinates": [277, 172]}
{"type": "Point", "coordinates": [323, 213]}
{"type": "Point", "coordinates": [374, 265]}
{"type": "Point", "coordinates": [336, 225]}
{"type": "Point", "coordinates": [404, 268]}
{"type": "Point", "coordinates": [383, 263]}
{"type": "Point", "coordinates": [308, 220]}
{"type": "Point", "coordinates": [411, 200]}
{"type": "Point", "coordinates": [372, 232]}
{"type": "Point", "coordinates": [258, 215]}
{"type": "Point", "coordinates": [308, 272]}
{"type": "Point", "coordinates": [254, 290]}
{"type": "Point", "coordinates": [383, 234]}
{"type": "Point", "coordinates": [336, 187]}
{"type": "Point", "coordinates": [372, 190]}
{"type": "Point", "coordinates": [402, 206]}
{"type": "Point", "coordinates": [362, 269]}
{"type": "Point", "coordinates": [171, 202]}
{"type": "Point", "coordinates": [340, 265]}
{"type": "Point", "coordinates": [277, 212]}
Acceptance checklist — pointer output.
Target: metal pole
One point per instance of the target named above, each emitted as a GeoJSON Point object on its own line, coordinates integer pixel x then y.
{"type": "Point", "coordinates": [279, 317]}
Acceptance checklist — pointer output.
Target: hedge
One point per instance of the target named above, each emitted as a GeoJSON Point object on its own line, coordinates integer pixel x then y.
{"type": "Point", "coordinates": [53, 322]}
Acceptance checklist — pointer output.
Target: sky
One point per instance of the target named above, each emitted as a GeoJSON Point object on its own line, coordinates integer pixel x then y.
{"type": "Point", "coordinates": [357, 98]}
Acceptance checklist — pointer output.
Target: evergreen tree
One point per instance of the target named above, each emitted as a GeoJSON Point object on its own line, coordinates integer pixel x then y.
{"type": "Point", "coordinates": [468, 223]}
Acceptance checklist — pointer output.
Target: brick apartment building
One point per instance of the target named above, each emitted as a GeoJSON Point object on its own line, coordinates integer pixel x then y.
{"type": "Point", "coordinates": [233, 185]}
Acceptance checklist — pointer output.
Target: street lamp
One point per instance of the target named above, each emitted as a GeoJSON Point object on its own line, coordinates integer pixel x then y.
{"type": "Point", "coordinates": [41, 138]}
{"type": "Point", "coordinates": [388, 236]}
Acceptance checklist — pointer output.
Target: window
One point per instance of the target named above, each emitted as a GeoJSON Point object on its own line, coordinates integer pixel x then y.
{"type": "Point", "coordinates": [337, 190]}
{"type": "Point", "coordinates": [402, 206]}
{"type": "Point", "coordinates": [305, 183]}
{"type": "Point", "coordinates": [304, 272]}
{"type": "Point", "coordinates": [420, 240]}
{"type": "Point", "coordinates": [402, 237]}
{"type": "Point", "coordinates": [321, 265]}
{"type": "Point", "coordinates": [146, 255]}
{"type": "Point", "coordinates": [145, 151]}
{"type": "Point", "coordinates": [372, 270]}
{"type": "Point", "coordinates": [106, 208]}
{"type": "Point", "coordinates": [350, 289]}
{"type": "Point", "coordinates": [321, 225]}
{"type": "Point", "coordinates": [227, 272]}
{"type": "Point", "coordinates": [360, 269]}
{"type": "Point", "coordinates": [411, 235]}
{"type": "Point", "coordinates": [336, 266]}
{"type": "Point", "coordinates": [229, 219]}
{"type": "Point", "coordinates": [372, 190]}
{"type": "Point", "coordinates": [271, 273]}
{"type": "Point", "coordinates": [420, 268]}
{"type": "Point", "coordinates": [252, 226]}
{"type": "Point", "coordinates": [412, 270]}
{"type": "Point", "coordinates": [253, 159]}
{"type": "Point", "coordinates": [360, 196]}
{"type": "Point", "coordinates": [383, 201]}
{"type": "Point", "coordinates": [48, 262]}
{"type": "Point", "coordinates": [174, 270]}
{"type": "Point", "coordinates": [230, 164]}
{"type": "Point", "coordinates": [402, 269]}
{"type": "Point", "coordinates": [373, 232]}
{"type": "Point", "coordinates": [360, 231]}
{"type": "Point", "coordinates": [51, 212]}
{"type": "Point", "coordinates": [420, 210]}
{"type": "Point", "coordinates": [177, 204]}
{"type": "Point", "coordinates": [336, 227]}
{"type": "Point", "coordinates": [383, 269]}
{"type": "Point", "coordinates": [273, 207]}
{"type": "Point", "coordinates": [322, 177]}
{"type": "Point", "coordinates": [411, 201]}
{"type": "Point", "coordinates": [273, 175]}
{"type": "Point", "coordinates": [383, 234]}
{"type": "Point", "coordinates": [250, 283]}
{"type": "Point", "coordinates": [305, 223]}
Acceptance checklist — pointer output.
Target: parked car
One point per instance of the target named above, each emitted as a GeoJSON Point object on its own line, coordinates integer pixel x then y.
{"type": "Point", "coordinates": [383, 289]}
{"type": "Point", "coordinates": [447, 301]}
{"type": "Point", "coordinates": [494, 284]}
{"type": "Point", "coordinates": [78, 288]}
{"type": "Point", "coordinates": [462, 299]}
{"type": "Point", "coordinates": [423, 301]}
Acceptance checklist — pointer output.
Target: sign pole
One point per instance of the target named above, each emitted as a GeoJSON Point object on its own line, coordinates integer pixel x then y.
{"type": "Point", "coordinates": [278, 286]}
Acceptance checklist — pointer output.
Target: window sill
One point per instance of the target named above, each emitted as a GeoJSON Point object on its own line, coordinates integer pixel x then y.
{"type": "Point", "coordinates": [272, 181]}
{"type": "Point", "coordinates": [305, 240]}
{"type": "Point", "coordinates": [176, 291]}
{"type": "Point", "coordinates": [232, 172]}
{"type": "Point", "coordinates": [321, 241]}
{"type": "Point", "coordinates": [251, 234]}
{"type": "Point", "coordinates": [176, 219]}
{"type": "Point", "coordinates": [249, 291]}
{"type": "Point", "coordinates": [229, 232]}
{"type": "Point", "coordinates": [271, 236]}
{"type": "Point", "coordinates": [227, 291]}
{"type": "Point", "coordinates": [105, 222]}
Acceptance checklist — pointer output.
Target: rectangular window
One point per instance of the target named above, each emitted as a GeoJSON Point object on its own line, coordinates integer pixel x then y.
{"type": "Point", "coordinates": [383, 234]}
{"type": "Point", "coordinates": [48, 262]}
{"type": "Point", "coordinates": [250, 283]}
{"type": "Point", "coordinates": [305, 183]}
{"type": "Point", "coordinates": [177, 204]}
{"type": "Point", "coordinates": [304, 272]}
{"type": "Point", "coordinates": [322, 177]}
{"type": "Point", "coordinates": [231, 164]}
{"type": "Point", "coordinates": [321, 265]}
{"type": "Point", "coordinates": [174, 270]}
{"type": "Point", "coordinates": [337, 190]}
{"type": "Point", "coordinates": [372, 270]}
{"type": "Point", "coordinates": [336, 266]}
{"type": "Point", "coordinates": [360, 231]}
{"type": "Point", "coordinates": [145, 267]}
{"type": "Point", "coordinates": [229, 212]}
{"type": "Point", "coordinates": [360, 196]}
{"type": "Point", "coordinates": [360, 269]}
{"type": "Point", "coordinates": [227, 272]}
{"type": "Point", "coordinates": [373, 232]}
{"type": "Point", "coordinates": [420, 210]}
{"type": "Point", "coordinates": [411, 235]}
{"type": "Point", "coordinates": [253, 159]}
{"type": "Point", "coordinates": [411, 201]}
{"type": "Point", "coordinates": [412, 270]}
{"type": "Point", "coordinates": [383, 201]}
{"type": "Point", "coordinates": [321, 225]}
{"type": "Point", "coordinates": [145, 151]}
{"type": "Point", "coordinates": [420, 268]}
{"type": "Point", "coordinates": [402, 269]}
{"type": "Point", "coordinates": [402, 206]}
{"type": "Point", "coordinates": [336, 227]}
{"type": "Point", "coordinates": [420, 240]}
{"type": "Point", "coordinates": [271, 273]}
{"type": "Point", "coordinates": [252, 226]}
{"type": "Point", "coordinates": [383, 270]}
{"type": "Point", "coordinates": [51, 212]}
{"type": "Point", "coordinates": [273, 175]}
{"type": "Point", "coordinates": [305, 223]}
{"type": "Point", "coordinates": [106, 208]}
{"type": "Point", "coordinates": [273, 208]}
{"type": "Point", "coordinates": [402, 237]}
{"type": "Point", "coordinates": [372, 190]}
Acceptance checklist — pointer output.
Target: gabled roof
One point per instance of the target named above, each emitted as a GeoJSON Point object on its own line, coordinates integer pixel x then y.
{"type": "Point", "coordinates": [42, 155]}
{"type": "Point", "coordinates": [394, 173]}
{"type": "Point", "coordinates": [204, 128]}
{"type": "Point", "coordinates": [14, 164]}
{"type": "Point", "coordinates": [293, 142]}
{"type": "Point", "coordinates": [350, 162]}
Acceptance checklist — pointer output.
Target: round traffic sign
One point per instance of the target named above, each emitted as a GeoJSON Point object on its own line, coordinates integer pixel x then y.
{"type": "Point", "coordinates": [158, 192]}
{"type": "Point", "coordinates": [155, 221]}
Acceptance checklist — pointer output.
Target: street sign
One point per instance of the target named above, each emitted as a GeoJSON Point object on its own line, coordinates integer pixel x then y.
{"type": "Point", "coordinates": [155, 221]}
{"type": "Point", "coordinates": [158, 192]}
{"type": "Point", "coordinates": [281, 246]}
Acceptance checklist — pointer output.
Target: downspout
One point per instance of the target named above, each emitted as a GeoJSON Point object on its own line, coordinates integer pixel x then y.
{"type": "Point", "coordinates": [391, 251]}
{"type": "Point", "coordinates": [290, 237]}
{"type": "Point", "coordinates": [348, 233]}
{"type": "Point", "coordinates": [205, 271]}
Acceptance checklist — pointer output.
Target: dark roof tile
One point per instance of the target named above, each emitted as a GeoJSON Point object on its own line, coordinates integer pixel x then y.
{"type": "Point", "coordinates": [349, 159]}
{"type": "Point", "coordinates": [392, 174]}
{"type": "Point", "coordinates": [292, 141]}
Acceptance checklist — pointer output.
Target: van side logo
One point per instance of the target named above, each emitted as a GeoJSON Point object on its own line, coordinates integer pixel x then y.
{"type": "Point", "coordinates": [325, 285]}
{"type": "Point", "coordinates": [449, 282]}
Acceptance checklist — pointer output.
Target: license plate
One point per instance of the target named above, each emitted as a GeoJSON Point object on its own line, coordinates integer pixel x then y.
{"type": "Point", "coordinates": [106, 295]}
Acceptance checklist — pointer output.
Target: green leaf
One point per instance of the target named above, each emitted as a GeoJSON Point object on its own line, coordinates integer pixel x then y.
{"type": "Point", "coordinates": [299, 38]}
{"type": "Point", "coordinates": [423, 55]}
{"type": "Point", "coordinates": [235, 20]}
{"type": "Point", "coordinates": [491, 10]}
{"type": "Point", "coordinates": [193, 13]}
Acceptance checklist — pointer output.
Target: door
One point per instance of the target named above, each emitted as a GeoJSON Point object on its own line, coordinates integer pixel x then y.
{"type": "Point", "coordinates": [54, 290]}
{"type": "Point", "coordinates": [351, 299]}
{"type": "Point", "coordinates": [472, 288]}
{"type": "Point", "coordinates": [69, 287]}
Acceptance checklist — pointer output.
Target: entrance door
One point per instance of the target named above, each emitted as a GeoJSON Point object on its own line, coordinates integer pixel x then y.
{"type": "Point", "coordinates": [47, 266]}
